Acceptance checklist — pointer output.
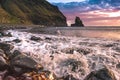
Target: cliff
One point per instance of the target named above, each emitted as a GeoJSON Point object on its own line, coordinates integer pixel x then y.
{"type": "Point", "coordinates": [38, 12]}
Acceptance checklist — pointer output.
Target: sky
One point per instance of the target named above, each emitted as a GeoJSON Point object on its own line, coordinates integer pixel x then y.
{"type": "Point", "coordinates": [91, 12]}
{"type": "Point", "coordinates": [65, 1]}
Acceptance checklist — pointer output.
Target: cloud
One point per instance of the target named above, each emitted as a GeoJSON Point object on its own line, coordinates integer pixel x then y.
{"type": "Point", "coordinates": [65, 1]}
{"type": "Point", "coordinates": [93, 12]}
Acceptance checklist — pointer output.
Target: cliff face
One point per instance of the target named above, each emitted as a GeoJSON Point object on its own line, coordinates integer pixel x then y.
{"type": "Point", "coordinates": [78, 22]}
{"type": "Point", "coordinates": [30, 12]}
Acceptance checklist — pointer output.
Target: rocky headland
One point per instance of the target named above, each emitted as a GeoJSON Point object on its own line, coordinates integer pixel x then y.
{"type": "Point", "coordinates": [30, 12]}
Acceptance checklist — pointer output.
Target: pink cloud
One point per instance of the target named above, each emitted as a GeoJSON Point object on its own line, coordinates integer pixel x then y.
{"type": "Point", "coordinates": [96, 17]}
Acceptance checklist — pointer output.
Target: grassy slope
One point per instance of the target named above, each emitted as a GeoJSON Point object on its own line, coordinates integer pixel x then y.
{"type": "Point", "coordinates": [5, 17]}
{"type": "Point", "coordinates": [33, 12]}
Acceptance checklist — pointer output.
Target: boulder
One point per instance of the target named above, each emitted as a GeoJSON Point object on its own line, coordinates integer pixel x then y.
{"type": "Point", "coordinates": [3, 33]}
{"type": "Point", "coordinates": [14, 54]}
{"type": "Point", "coordinates": [118, 66]}
{"type": "Point", "coordinates": [102, 74]}
{"type": "Point", "coordinates": [3, 64]}
{"type": "Point", "coordinates": [17, 40]}
{"type": "Point", "coordinates": [68, 77]}
{"type": "Point", "coordinates": [34, 38]}
{"type": "Point", "coordinates": [10, 78]}
{"type": "Point", "coordinates": [2, 53]}
{"type": "Point", "coordinates": [78, 22]}
{"type": "Point", "coordinates": [22, 64]}
{"type": "Point", "coordinates": [6, 47]}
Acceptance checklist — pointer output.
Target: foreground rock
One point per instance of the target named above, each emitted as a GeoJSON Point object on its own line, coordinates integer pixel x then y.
{"type": "Point", "coordinates": [102, 74]}
{"type": "Point", "coordinates": [6, 48]}
{"type": "Point", "coordinates": [18, 66]}
{"type": "Point", "coordinates": [3, 33]}
{"type": "Point", "coordinates": [78, 23]}
{"type": "Point", "coordinates": [34, 38]}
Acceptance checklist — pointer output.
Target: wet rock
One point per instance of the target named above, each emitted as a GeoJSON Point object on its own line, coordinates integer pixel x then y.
{"type": "Point", "coordinates": [17, 40]}
{"type": "Point", "coordinates": [22, 64]}
{"type": "Point", "coordinates": [48, 38]}
{"type": "Point", "coordinates": [10, 78]}
{"type": "Point", "coordinates": [3, 33]}
{"type": "Point", "coordinates": [3, 64]}
{"type": "Point", "coordinates": [84, 51]}
{"type": "Point", "coordinates": [9, 34]}
{"type": "Point", "coordinates": [117, 49]}
{"type": "Point", "coordinates": [14, 54]}
{"type": "Point", "coordinates": [68, 50]}
{"type": "Point", "coordinates": [2, 74]}
{"type": "Point", "coordinates": [75, 65]}
{"type": "Point", "coordinates": [34, 38]}
{"type": "Point", "coordinates": [102, 74]}
{"type": "Point", "coordinates": [68, 77]}
{"type": "Point", "coordinates": [6, 47]}
{"type": "Point", "coordinates": [118, 66]}
{"type": "Point", "coordinates": [2, 53]}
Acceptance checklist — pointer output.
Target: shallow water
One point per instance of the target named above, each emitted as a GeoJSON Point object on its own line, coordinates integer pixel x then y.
{"type": "Point", "coordinates": [70, 55]}
{"type": "Point", "coordinates": [92, 32]}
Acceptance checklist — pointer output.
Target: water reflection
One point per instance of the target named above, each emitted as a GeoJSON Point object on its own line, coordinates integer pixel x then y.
{"type": "Point", "coordinates": [92, 33]}
{"type": "Point", "coordinates": [95, 32]}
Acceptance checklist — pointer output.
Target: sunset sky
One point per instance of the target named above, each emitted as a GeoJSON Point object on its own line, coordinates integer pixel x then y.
{"type": "Point", "coordinates": [91, 12]}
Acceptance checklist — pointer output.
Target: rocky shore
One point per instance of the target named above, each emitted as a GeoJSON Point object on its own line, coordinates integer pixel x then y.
{"type": "Point", "coordinates": [27, 56]}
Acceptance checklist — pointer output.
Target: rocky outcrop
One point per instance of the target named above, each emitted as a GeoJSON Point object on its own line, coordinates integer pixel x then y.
{"type": "Point", "coordinates": [18, 66]}
{"type": "Point", "coordinates": [102, 74]}
{"type": "Point", "coordinates": [78, 23]}
{"type": "Point", "coordinates": [23, 12]}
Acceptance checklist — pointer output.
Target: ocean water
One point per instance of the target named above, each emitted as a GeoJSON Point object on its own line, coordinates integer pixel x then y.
{"type": "Point", "coordinates": [92, 32]}
{"type": "Point", "coordinates": [75, 51]}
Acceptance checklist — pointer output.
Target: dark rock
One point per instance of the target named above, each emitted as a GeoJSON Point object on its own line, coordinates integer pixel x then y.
{"type": "Point", "coordinates": [3, 64]}
{"type": "Point", "coordinates": [22, 64]}
{"type": "Point", "coordinates": [74, 64]}
{"type": "Point", "coordinates": [69, 77]}
{"type": "Point", "coordinates": [9, 34]}
{"type": "Point", "coordinates": [48, 38]}
{"type": "Point", "coordinates": [10, 78]}
{"type": "Point", "coordinates": [68, 50]}
{"type": "Point", "coordinates": [117, 49]}
{"type": "Point", "coordinates": [3, 33]}
{"type": "Point", "coordinates": [17, 40]}
{"type": "Point", "coordinates": [2, 74]}
{"type": "Point", "coordinates": [34, 38]}
{"type": "Point", "coordinates": [84, 51]}
{"type": "Point", "coordinates": [2, 53]}
{"type": "Point", "coordinates": [118, 66]}
{"type": "Point", "coordinates": [78, 23]}
{"type": "Point", "coordinates": [14, 54]}
{"type": "Point", "coordinates": [6, 47]}
{"type": "Point", "coordinates": [102, 74]}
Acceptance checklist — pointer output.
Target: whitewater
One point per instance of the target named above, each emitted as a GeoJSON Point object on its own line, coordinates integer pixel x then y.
{"type": "Point", "coordinates": [64, 55]}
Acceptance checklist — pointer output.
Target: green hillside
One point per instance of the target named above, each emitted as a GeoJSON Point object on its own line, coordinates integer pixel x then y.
{"type": "Point", "coordinates": [38, 12]}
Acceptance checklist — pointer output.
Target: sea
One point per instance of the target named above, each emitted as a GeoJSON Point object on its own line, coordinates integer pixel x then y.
{"type": "Point", "coordinates": [109, 32]}
{"type": "Point", "coordinates": [70, 50]}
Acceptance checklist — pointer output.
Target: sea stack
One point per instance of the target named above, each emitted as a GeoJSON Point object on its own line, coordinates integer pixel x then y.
{"type": "Point", "coordinates": [78, 22]}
